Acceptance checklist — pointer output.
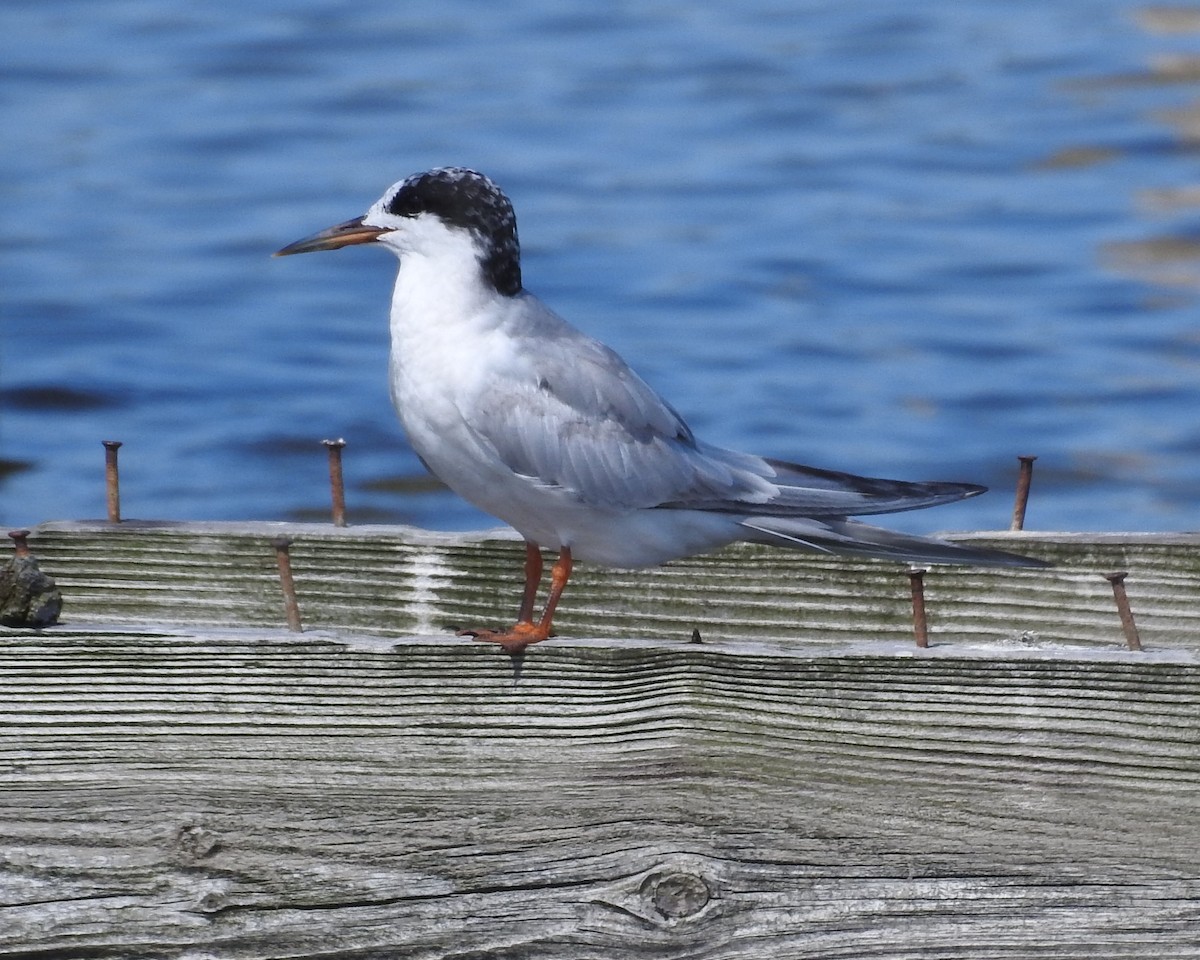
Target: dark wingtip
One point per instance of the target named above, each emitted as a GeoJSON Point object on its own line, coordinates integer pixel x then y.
{"type": "Point", "coordinates": [981, 556]}
{"type": "Point", "coordinates": [1017, 560]}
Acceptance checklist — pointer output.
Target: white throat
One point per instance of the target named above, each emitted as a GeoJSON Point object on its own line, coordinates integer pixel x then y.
{"type": "Point", "coordinates": [440, 293]}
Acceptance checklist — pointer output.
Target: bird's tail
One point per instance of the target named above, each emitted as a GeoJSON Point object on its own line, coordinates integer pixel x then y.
{"type": "Point", "coordinates": [855, 539]}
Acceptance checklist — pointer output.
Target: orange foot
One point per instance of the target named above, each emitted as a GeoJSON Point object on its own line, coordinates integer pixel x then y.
{"type": "Point", "coordinates": [515, 639]}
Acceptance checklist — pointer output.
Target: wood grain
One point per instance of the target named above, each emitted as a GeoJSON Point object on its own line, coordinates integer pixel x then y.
{"type": "Point", "coordinates": [252, 794]}
{"type": "Point", "coordinates": [397, 580]}
{"type": "Point", "coordinates": [182, 777]}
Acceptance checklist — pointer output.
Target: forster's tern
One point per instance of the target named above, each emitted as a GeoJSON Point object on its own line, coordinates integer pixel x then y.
{"type": "Point", "coordinates": [549, 430]}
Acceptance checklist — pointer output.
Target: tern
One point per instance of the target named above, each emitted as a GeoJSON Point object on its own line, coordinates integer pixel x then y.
{"type": "Point", "coordinates": [549, 430]}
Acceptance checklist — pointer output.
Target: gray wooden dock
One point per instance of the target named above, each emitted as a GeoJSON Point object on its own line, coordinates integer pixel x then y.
{"type": "Point", "coordinates": [182, 776]}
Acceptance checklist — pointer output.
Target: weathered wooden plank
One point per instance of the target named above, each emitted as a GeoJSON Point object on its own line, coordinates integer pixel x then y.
{"type": "Point", "coordinates": [1023, 788]}
{"type": "Point", "coordinates": [391, 581]}
{"type": "Point", "coordinates": [240, 794]}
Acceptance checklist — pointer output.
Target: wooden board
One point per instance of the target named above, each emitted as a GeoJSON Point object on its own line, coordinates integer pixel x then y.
{"type": "Point", "coordinates": [226, 790]}
{"type": "Point", "coordinates": [391, 581]}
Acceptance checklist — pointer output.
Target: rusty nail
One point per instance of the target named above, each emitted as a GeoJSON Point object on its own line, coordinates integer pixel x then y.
{"type": "Point", "coordinates": [916, 576]}
{"type": "Point", "coordinates": [111, 480]}
{"type": "Point", "coordinates": [1117, 579]}
{"type": "Point", "coordinates": [1023, 480]}
{"type": "Point", "coordinates": [337, 486]}
{"type": "Point", "coordinates": [18, 537]}
{"type": "Point", "coordinates": [290, 605]}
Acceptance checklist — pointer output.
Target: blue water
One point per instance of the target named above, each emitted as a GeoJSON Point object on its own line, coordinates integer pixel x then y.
{"type": "Point", "coordinates": [908, 240]}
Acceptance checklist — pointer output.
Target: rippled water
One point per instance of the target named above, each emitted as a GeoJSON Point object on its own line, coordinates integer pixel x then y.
{"type": "Point", "coordinates": [911, 240]}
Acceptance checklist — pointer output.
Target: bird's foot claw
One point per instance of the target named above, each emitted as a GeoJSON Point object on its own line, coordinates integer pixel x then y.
{"type": "Point", "coordinates": [514, 640]}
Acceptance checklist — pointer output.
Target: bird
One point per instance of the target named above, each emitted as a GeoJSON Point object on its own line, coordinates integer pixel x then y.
{"type": "Point", "coordinates": [548, 429]}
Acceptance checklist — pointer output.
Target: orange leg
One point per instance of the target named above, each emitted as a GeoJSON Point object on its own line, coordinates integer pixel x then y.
{"type": "Point", "coordinates": [524, 632]}
{"type": "Point", "coordinates": [533, 576]}
{"type": "Point", "coordinates": [560, 573]}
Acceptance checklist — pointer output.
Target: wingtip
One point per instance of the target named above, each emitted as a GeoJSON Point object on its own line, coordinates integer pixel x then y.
{"type": "Point", "coordinates": [986, 557]}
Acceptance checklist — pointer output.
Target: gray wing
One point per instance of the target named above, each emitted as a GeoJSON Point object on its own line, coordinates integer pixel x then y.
{"type": "Point", "coordinates": [574, 416]}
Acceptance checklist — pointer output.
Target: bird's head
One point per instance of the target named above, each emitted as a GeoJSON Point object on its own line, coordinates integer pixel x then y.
{"type": "Point", "coordinates": [450, 211]}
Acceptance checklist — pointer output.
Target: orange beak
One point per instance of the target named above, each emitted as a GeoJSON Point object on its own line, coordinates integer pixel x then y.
{"type": "Point", "coordinates": [343, 235]}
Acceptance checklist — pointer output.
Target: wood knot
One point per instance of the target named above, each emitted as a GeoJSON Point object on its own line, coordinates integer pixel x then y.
{"type": "Point", "coordinates": [194, 842]}
{"type": "Point", "coordinates": [214, 901]}
{"type": "Point", "coordinates": [677, 895]}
